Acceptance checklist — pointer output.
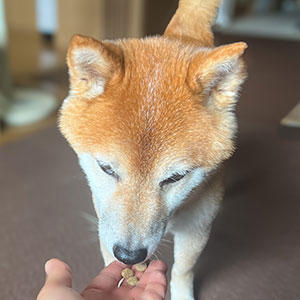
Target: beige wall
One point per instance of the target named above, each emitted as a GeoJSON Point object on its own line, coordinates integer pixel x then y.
{"type": "Point", "coordinates": [101, 19]}
{"type": "Point", "coordinates": [20, 14]}
{"type": "Point", "coordinates": [79, 16]}
{"type": "Point", "coordinates": [23, 39]}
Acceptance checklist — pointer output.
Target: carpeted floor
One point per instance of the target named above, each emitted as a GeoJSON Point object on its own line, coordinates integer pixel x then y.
{"type": "Point", "coordinates": [253, 252]}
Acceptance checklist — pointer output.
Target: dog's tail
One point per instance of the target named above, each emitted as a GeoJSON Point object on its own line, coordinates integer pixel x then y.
{"type": "Point", "coordinates": [193, 20]}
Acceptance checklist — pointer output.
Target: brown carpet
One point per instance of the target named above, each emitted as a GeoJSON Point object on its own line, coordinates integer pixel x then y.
{"type": "Point", "coordinates": [254, 248]}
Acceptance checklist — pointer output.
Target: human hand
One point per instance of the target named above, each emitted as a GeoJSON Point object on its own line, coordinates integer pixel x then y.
{"type": "Point", "coordinates": [58, 285]}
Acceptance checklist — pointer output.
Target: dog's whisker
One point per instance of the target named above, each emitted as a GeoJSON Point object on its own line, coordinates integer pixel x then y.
{"type": "Point", "coordinates": [155, 256]}
{"type": "Point", "coordinates": [167, 241]}
{"type": "Point", "coordinates": [151, 257]}
{"type": "Point", "coordinates": [165, 246]}
{"type": "Point", "coordinates": [90, 218]}
{"type": "Point", "coordinates": [156, 253]}
{"type": "Point", "coordinates": [91, 239]}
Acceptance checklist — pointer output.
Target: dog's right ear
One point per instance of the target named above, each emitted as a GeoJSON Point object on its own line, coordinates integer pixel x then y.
{"type": "Point", "coordinates": [217, 74]}
{"type": "Point", "coordinates": [91, 65]}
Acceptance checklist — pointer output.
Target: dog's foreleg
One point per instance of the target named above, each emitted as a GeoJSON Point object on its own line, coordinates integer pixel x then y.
{"type": "Point", "coordinates": [187, 248]}
{"type": "Point", "coordinates": [107, 257]}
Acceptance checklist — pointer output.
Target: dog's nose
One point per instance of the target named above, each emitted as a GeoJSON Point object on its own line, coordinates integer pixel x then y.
{"type": "Point", "coordinates": [129, 257]}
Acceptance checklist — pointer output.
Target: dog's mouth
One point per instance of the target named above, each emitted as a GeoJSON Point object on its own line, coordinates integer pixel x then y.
{"type": "Point", "coordinates": [130, 245]}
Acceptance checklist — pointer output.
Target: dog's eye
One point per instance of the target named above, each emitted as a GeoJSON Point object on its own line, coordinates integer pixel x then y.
{"type": "Point", "coordinates": [175, 177]}
{"type": "Point", "coordinates": [108, 170]}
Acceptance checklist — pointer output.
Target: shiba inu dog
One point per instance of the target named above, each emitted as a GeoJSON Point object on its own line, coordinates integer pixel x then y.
{"type": "Point", "coordinates": [152, 120]}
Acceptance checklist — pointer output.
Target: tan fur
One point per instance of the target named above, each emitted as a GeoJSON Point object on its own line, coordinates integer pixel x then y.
{"type": "Point", "coordinates": [149, 103]}
{"type": "Point", "coordinates": [192, 21]}
{"type": "Point", "coordinates": [143, 125]}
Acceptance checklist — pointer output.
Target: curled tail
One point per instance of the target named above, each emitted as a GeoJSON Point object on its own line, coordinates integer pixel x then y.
{"type": "Point", "coordinates": [193, 20]}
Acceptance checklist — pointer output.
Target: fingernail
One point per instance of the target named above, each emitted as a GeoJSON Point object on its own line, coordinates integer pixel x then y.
{"type": "Point", "coordinates": [54, 262]}
{"type": "Point", "coordinates": [47, 266]}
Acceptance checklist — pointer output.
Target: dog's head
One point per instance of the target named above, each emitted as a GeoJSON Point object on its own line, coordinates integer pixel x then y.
{"type": "Point", "coordinates": [148, 119]}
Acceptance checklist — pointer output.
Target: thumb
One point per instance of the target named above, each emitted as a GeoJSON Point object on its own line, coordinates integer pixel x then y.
{"type": "Point", "coordinates": [58, 274]}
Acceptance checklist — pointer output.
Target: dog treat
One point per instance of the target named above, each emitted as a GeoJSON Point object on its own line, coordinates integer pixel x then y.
{"type": "Point", "coordinates": [141, 267]}
{"type": "Point", "coordinates": [127, 273]}
{"type": "Point", "coordinates": [132, 281]}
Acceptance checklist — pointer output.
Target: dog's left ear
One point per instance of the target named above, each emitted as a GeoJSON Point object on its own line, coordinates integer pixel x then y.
{"type": "Point", "coordinates": [218, 73]}
{"type": "Point", "coordinates": [92, 64]}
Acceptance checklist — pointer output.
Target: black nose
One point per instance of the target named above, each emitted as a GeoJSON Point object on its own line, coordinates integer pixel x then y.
{"type": "Point", "coordinates": [129, 257]}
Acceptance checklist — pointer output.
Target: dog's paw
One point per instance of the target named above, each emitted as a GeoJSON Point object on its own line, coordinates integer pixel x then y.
{"type": "Point", "coordinates": [181, 297]}
{"type": "Point", "coordinates": [182, 287]}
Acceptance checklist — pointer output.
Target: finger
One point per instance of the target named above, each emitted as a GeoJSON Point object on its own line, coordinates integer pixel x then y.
{"type": "Point", "coordinates": [136, 292]}
{"type": "Point", "coordinates": [150, 296]}
{"type": "Point", "coordinates": [124, 284]}
{"type": "Point", "coordinates": [108, 278]}
{"type": "Point", "coordinates": [155, 266]}
{"type": "Point", "coordinates": [138, 274]}
{"type": "Point", "coordinates": [58, 273]}
{"type": "Point", "coordinates": [157, 284]}
{"type": "Point", "coordinates": [154, 283]}
{"type": "Point", "coordinates": [124, 292]}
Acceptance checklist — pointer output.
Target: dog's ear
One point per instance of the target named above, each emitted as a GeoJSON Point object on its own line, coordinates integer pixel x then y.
{"type": "Point", "coordinates": [217, 74]}
{"type": "Point", "coordinates": [91, 65]}
{"type": "Point", "coordinates": [193, 20]}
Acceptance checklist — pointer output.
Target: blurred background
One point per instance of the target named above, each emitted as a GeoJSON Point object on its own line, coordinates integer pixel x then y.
{"type": "Point", "coordinates": [45, 205]}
